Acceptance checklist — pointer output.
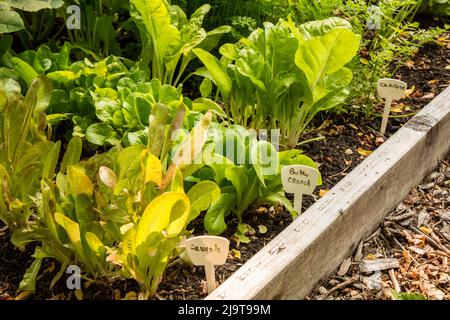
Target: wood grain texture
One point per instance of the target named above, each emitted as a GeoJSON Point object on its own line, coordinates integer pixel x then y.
{"type": "Point", "coordinates": [315, 244]}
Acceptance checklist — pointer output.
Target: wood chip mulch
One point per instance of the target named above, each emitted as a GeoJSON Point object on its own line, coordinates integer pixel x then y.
{"type": "Point", "coordinates": [409, 252]}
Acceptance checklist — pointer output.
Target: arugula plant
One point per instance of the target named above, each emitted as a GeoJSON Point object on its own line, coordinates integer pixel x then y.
{"type": "Point", "coordinates": [26, 156]}
{"type": "Point", "coordinates": [168, 37]}
{"type": "Point", "coordinates": [281, 76]}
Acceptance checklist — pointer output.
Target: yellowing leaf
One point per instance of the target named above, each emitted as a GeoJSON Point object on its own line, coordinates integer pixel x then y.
{"type": "Point", "coordinates": [73, 232]}
{"type": "Point", "coordinates": [409, 92]}
{"type": "Point", "coordinates": [323, 192]}
{"type": "Point", "coordinates": [399, 108]}
{"type": "Point", "coordinates": [94, 243]}
{"type": "Point", "coordinates": [153, 170]}
{"type": "Point", "coordinates": [364, 153]}
{"type": "Point", "coordinates": [364, 61]}
{"type": "Point", "coordinates": [79, 294]}
{"type": "Point", "coordinates": [426, 230]}
{"type": "Point", "coordinates": [168, 211]}
{"type": "Point", "coordinates": [24, 295]}
{"type": "Point", "coordinates": [262, 229]}
{"type": "Point", "coordinates": [79, 182]}
{"type": "Point", "coordinates": [371, 256]}
{"type": "Point", "coordinates": [236, 253]}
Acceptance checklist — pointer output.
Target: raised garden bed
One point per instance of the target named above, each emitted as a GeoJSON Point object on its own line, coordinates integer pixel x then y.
{"type": "Point", "coordinates": [281, 258]}
{"type": "Point", "coordinates": [316, 243]}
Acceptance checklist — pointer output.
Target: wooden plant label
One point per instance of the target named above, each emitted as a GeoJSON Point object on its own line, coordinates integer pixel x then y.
{"type": "Point", "coordinates": [208, 251]}
{"type": "Point", "coordinates": [390, 90]}
{"type": "Point", "coordinates": [299, 180]}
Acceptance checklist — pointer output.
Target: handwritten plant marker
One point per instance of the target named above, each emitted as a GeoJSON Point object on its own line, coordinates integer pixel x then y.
{"type": "Point", "coordinates": [208, 251]}
{"type": "Point", "coordinates": [390, 90]}
{"type": "Point", "coordinates": [299, 180]}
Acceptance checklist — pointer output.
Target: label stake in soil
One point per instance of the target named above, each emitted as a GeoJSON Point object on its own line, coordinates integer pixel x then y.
{"type": "Point", "coordinates": [390, 90]}
{"type": "Point", "coordinates": [208, 251]}
{"type": "Point", "coordinates": [299, 180]}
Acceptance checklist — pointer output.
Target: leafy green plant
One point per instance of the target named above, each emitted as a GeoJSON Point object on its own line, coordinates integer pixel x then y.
{"type": "Point", "coordinates": [110, 210]}
{"type": "Point", "coordinates": [110, 101]}
{"type": "Point", "coordinates": [168, 37]}
{"type": "Point", "coordinates": [248, 173]}
{"type": "Point", "coordinates": [260, 87]}
{"type": "Point", "coordinates": [392, 38]}
{"type": "Point", "coordinates": [12, 21]}
{"type": "Point", "coordinates": [407, 296]}
{"type": "Point", "coordinates": [98, 20]}
{"type": "Point", "coordinates": [26, 156]}
{"type": "Point", "coordinates": [437, 7]}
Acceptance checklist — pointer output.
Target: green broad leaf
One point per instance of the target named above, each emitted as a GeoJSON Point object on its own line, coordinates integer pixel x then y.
{"type": "Point", "coordinates": [101, 134]}
{"type": "Point", "coordinates": [169, 212]}
{"type": "Point", "coordinates": [216, 214]}
{"type": "Point", "coordinates": [276, 198]}
{"type": "Point", "coordinates": [201, 196]}
{"type": "Point", "coordinates": [218, 163]}
{"type": "Point", "coordinates": [63, 76]}
{"type": "Point", "coordinates": [73, 153]}
{"type": "Point", "coordinates": [265, 160]}
{"type": "Point", "coordinates": [213, 37]}
{"type": "Point", "coordinates": [217, 72]}
{"type": "Point", "coordinates": [241, 232]}
{"type": "Point", "coordinates": [30, 167]}
{"type": "Point", "coordinates": [35, 5]}
{"type": "Point", "coordinates": [51, 161]}
{"type": "Point", "coordinates": [73, 232]}
{"type": "Point", "coordinates": [47, 208]}
{"type": "Point", "coordinates": [154, 22]}
{"type": "Point", "coordinates": [205, 104]}
{"type": "Point", "coordinates": [95, 244]}
{"type": "Point", "coordinates": [240, 180]}
{"type": "Point", "coordinates": [10, 21]}
{"type": "Point", "coordinates": [407, 295]}
{"type": "Point", "coordinates": [128, 162]}
{"type": "Point", "coordinates": [336, 48]}
{"type": "Point", "coordinates": [319, 28]}
{"type": "Point", "coordinates": [43, 94]}
{"type": "Point", "coordinates": [25, 71]}
{"type": "Point", "coordinates": [206, 88]}
{"type": "Point", "coordinates": [28, 282]}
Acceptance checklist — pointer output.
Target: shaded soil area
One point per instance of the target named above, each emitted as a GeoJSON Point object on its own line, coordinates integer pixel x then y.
{"type": "Point", "coordinates": [408, 253]}
{"type": "Point", "coordinates": [347, 141]}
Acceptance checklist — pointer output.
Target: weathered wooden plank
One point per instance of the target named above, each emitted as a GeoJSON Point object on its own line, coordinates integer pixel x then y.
{"type": "Point", "coordinates": [315, 244]}
{"type": "Point", "coordinates": [368, 266]}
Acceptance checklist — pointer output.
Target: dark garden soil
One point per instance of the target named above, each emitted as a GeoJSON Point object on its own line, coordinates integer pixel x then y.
{"type": "Point", "coordinates": [347, 141]}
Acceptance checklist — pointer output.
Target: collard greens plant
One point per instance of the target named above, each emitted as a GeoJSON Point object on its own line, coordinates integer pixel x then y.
{"type": "Point", "coordinates": [283, 75]}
